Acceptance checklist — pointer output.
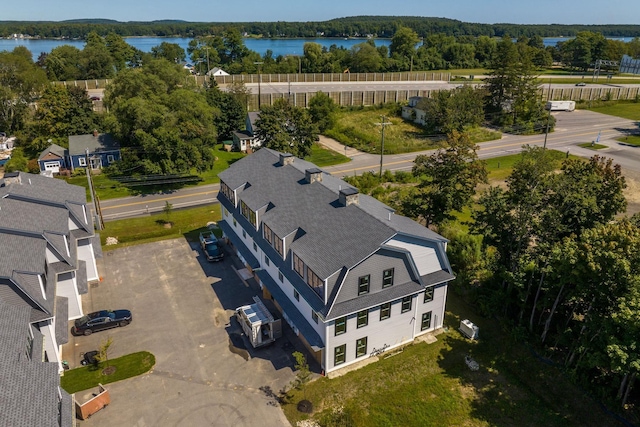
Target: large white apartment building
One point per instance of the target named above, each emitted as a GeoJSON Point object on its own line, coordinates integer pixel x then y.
{"type": "Point", "coordinates": [348, 275]}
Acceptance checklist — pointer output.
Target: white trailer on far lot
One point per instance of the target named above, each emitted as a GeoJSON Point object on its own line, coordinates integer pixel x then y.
{"type": "Point", "coordinates": [561, 105]}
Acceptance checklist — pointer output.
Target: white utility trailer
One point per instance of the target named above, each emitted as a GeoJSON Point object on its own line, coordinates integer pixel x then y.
{"type": "Point", "coordinates": [258, 323]}
{"type": "Point", "coordinates": [561, 105]}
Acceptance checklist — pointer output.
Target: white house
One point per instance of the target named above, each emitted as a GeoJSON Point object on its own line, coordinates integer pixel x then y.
{"type": "Point", "coordinates": [217, 72]}
{"type": "Point", "coordinates": [349, 276]}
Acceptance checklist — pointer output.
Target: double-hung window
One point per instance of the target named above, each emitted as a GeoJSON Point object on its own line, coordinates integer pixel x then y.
{"type": "Point", "coordinates": [363, 284]}
{"type": "Point", "coordinates": [426, 321]}
{"type": "Point", "coordinates": [406, 304]}
{"type": "Point", "coordinates": [387, 278]}
{"type": "Point", "coordinates": [428, 295]}
{"type": "Point", "coordinates": [363, 318]}
{"type": "Point", "coordinates": [385, 311]}
{"type": "Point", "coordinates": [339, 354]}
{"type": "Point", "coordinates": [341, 325]}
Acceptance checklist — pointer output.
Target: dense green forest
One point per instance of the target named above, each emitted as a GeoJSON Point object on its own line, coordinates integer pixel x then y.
{"type": "Point", "coordinates": [357, 26]}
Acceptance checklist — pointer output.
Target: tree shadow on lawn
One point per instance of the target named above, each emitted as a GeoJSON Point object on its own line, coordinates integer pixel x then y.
{"type": "Point", "coordinates": [512, 387]}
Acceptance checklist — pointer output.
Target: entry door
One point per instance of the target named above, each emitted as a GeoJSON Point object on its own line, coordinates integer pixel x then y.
{"type": "Point", "coordinates": [96, 163]}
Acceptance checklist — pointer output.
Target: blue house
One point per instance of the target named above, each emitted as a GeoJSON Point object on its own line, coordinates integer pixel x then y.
{"type": "Point", "coordinates": [100, 149]}
{"type": "Point", "coordinates": [53, 158]}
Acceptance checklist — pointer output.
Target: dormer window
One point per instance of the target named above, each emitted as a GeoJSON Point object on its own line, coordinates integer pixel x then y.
{"type": "Point", "coordinates": [273, 239]}
{"type": "Point", "coordinates": [228, 193]}
{"type": "Point", "coordinates": [248, 213]}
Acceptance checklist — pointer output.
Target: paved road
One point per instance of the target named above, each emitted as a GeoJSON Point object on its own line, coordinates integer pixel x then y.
{"type": "Point", "coordinates": [571, 129]}
{"type": "Point", "coordinates": [143, 205]}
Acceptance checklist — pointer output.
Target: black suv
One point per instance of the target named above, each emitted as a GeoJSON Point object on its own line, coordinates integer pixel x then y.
{"type": "Point", "coordinates": [100, 320]}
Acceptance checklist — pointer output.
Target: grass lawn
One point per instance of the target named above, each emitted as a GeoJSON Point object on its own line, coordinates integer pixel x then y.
{"type": "Point", "coordinates": [429, 384]}
{"type": "Point", "coordinates": [500, 168]}
{"type": "Point", "coordinates": [628, 110]}
{"type": "Point", "coordinates": [592, 146]}
{"type": "Point", "coordinates": [321, 156]}
{"type": "Point", "coordinates": [631, 140]}
{"type": "Point", "coordinates": [134, 231]}
{"type": "Point", "coordinates": [88, 377]}
{"type": "Point", "coordinates": [359, 129]}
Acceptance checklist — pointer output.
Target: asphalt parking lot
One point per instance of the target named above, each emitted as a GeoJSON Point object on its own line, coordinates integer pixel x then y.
{"type": "Point", "coordinates": [182, 308]}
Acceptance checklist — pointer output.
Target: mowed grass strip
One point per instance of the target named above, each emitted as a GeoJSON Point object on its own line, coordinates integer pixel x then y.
{"type": "Point", "coordinates": [87, 377]}
{"type": "Point", "coordinates": [630, 140]}
{"type": "Point", "coordinates": [185, 222]}
{"type": "Point", "coordinates": [321, 156]}
{"type": "Point", "coordinates": [361, 129]}
{"type": "Point", "coordinates": [430, 384]}
{"type": "Point", "coordinates": [625, 109]}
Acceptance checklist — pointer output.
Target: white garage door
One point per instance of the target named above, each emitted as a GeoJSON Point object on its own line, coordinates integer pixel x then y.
{"type": "Point", "coordinates": [52, 166]}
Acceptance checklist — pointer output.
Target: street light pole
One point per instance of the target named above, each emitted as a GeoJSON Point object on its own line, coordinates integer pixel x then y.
{"type": "Point", "coordinates": [383, 123]}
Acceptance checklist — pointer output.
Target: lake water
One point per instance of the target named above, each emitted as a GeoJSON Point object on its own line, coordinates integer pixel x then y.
{"type": "Point", "coordinates": [277, 46]}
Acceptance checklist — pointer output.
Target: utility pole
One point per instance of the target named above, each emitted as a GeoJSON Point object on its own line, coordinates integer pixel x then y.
{"type": "Point", "coordinates": [207, 49]}
{"type": "Point", "coordinates": [546, 133]}
{"type": "Point", "coordinates": [94, 196]}
{"type": "Point", "coordinates": [383, 123]}
{"type": "Point", "coordinates": [259, 80]}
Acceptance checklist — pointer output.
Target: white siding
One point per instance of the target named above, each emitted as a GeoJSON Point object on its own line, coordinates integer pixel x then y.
{"type": "Point", "coordinates": [392, 332]}
{"type": "Point", "coordinates": [85, 253]}
{"type": "Point", "coordinates": [436, 307]}
{"type": "Point", "coordinates": [67, 288]}
{"type": "Point", "coordinates": [51, 346]}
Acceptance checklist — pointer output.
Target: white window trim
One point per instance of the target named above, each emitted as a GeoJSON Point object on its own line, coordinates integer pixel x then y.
{"type": "Point", "coordinates": [110, 158]}
{"type": "Point", "coordinates": [82, 161]}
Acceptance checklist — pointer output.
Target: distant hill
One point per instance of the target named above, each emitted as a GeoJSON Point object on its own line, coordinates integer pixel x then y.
{"type": "Point", "coordinates": [353, 26]}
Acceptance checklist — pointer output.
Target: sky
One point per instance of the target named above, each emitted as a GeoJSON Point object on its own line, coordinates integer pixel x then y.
{"type": "Point", "coordinates": [481, 11]}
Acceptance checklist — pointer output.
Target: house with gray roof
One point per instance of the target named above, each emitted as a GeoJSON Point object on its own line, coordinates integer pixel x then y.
{"type": "Point", "coordinates": [47, 257]}
{"type": "Point", "coordinates": [53, 158]}
{"type": "Point", "coordinates": [349, 275]}
{"type": "Point", "coordinates": [95, 150]}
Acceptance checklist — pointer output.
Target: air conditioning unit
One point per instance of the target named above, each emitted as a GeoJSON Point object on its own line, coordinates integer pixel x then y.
{"type": "Point", "coordinates": [469, 330]}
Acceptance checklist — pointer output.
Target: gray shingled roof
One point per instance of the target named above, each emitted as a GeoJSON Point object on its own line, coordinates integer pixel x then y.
{"type": "Point", "coordinates": [314, 208]}
{"type": "Point", "coordinates": [53, 149]}
{"type": "Point", "coordinates": [42, 188]}
{"type": "Point", "coordinates": [62, 320]}
{"type": "Point", "coordinates": [103, 142]}
{"type": "Point", "coordinates": [28, 388]}
{"type": "Point", "coordinates": [335, 235]}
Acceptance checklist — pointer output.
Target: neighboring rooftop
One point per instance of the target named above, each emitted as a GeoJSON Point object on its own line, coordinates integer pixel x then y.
{"type": "Point", "coordinates": [96, 142]}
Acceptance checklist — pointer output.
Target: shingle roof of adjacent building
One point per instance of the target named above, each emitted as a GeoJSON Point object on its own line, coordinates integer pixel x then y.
{"type": "Point", "coordinates": [78, 144]}
{"type": "Point", "coordinates": [331, 235]}
{"type": "Point", "coordinates": [28, 389]}
{"type": "Point", "coordinates": [35, 215]}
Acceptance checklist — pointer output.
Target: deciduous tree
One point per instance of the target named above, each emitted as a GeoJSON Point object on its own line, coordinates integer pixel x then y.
{"type": "Point", "coordinates": [286, 128]}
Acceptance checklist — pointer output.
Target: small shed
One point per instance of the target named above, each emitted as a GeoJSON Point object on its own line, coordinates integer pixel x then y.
{"type": "Point", "coordinates": [258, 323]}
